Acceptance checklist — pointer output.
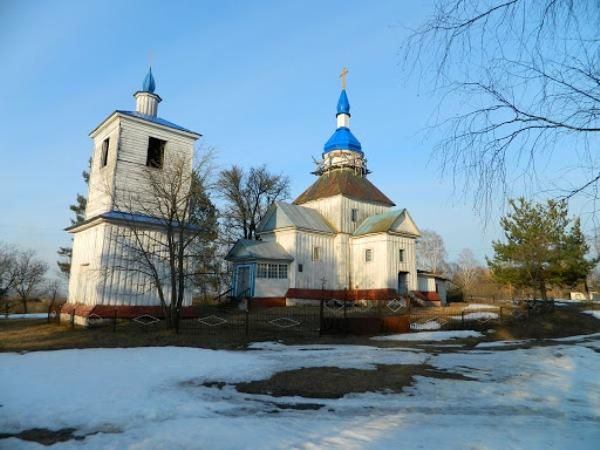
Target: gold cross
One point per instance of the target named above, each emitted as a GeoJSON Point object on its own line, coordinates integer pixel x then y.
{"type": "Point", "coordinates": [343, 77]}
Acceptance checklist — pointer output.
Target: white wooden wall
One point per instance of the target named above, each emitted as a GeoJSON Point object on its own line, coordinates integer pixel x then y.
{"type": "Point", "coordinates": [338, 211]}
{"type": "Point", "coordinates": [382, 271]}
{"type": "Point", "coordinates": [101, 183]}
{"type": "Point", "coordinates": [270, 287]}
{"type": "Point", "coordinates": [300, 245]}
{"type": "Point", "coordinates": [104, 270]}
{"type": "Point", "coordinates": [123, 183]}
{"type": "Point", "coordinates": [132, 192]}
{"type": "Point", "coordinates": [85, 266]}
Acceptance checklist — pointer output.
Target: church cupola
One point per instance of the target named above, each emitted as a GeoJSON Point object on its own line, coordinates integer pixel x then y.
{"type": "Point", "coordinates": [146, 100]}
{"type": "Point", "coordinates": [342, 149]}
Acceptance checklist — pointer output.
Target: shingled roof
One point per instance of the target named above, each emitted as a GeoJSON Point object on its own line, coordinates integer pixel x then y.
{"type": "Point", "coordinates": [344, 182]}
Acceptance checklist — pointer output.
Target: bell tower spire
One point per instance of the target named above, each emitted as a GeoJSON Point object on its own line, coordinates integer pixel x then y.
{"type": "Point", "coordinates": [146, 101]}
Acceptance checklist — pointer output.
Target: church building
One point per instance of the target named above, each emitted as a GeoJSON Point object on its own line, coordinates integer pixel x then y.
{"type": "Point", "coordinates": [341, 238]}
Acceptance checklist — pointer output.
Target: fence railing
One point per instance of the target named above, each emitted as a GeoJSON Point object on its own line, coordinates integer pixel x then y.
{"type": "Point", "coordinates": [327, 316]}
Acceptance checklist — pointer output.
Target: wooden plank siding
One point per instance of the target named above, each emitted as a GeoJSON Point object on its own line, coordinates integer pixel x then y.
{"type": "Point", "coordinates": [338, 211]}
{"type": "Point", "coordinates": [382, 270]}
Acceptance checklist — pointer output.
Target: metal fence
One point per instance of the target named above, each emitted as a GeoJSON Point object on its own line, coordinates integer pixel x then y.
{"type": "Point", "coordinates": [331, 316]}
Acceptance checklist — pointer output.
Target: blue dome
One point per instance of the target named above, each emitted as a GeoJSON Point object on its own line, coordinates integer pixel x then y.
{"type": "Point", "coordinates": [343, 106]}
{"type": "Point", "coordinates": [342, 139]}
{"type": "Point", "coordinates": [149, 84]}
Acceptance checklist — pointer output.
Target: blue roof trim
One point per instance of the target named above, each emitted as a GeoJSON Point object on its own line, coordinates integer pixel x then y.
{"type": "Point", "coordinates": [342, 139]}
{"type": "Point", "coordinates": [156, 120]}
{"type": "Point", "coordinates": [343, 105]}
{"type": "Point", "coordinates": [131, 218]}
{"type": "Point", "coordinates": [149, 84]}
{"type": "Point", "coordinates": [141, 218]}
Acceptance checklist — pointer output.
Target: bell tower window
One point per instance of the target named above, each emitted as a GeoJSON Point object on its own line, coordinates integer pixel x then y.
{"type": "Point", "coordinates": [156, 153]}
{"type": "Point", "coordinates": [104, 154]}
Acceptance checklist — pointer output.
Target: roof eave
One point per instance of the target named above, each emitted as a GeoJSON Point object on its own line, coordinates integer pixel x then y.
{"type": "Point", "coordinates": [116, 113]}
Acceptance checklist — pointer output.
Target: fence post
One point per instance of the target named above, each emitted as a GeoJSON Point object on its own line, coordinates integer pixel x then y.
{"type": "Point", "coordinates": [115, 321]}
{"type": "Point", "coordinates": [345, 314]}
{"type": "Point", "coordinates": [321, 310]}
{"type": "Point", "coordinates": [177, 319]}
{"type": "Point", "coordinates": [6, 310]}
{"type": "Point", "coordinates": [72, 319]}
{"type": "Point", "coordinates": [501, 313]}
{"type": "Point", "coordinates": [462, 315]}
{"type": "Point", "coordinates": [247, 314]}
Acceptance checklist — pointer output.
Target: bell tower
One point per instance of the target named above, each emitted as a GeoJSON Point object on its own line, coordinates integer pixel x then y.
{"type": "Point", "coordinates": [130, 149]}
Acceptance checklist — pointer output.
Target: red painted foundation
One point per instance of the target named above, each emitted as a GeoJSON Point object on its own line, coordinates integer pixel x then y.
{"type": "Point", "coordinates": [350, 294]}
{"type": "Point", "coordinates": [121, 312]}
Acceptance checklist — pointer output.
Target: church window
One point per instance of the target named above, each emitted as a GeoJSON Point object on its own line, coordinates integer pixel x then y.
{"type": "Point", "coordinates": [283, 268]}
{"type": "Point", "coordinates": [354, 215]}
{"type": "Point", "coordinates": [261, 271]}
{"type": "Point", "coordinates": [369, 255]}
{"type": "Point", "coordinates": [273, 271]}
{"type": "Point", "coordinates": [300, 267]}
{"type": "Point", "coordinates": [401, 255]}
{"type": "Point", "coordinates": [104, 156]}
{"type": "Point", "coordinates": [316, 255]}
{"type": "Point", "coordinates": [156, 153]}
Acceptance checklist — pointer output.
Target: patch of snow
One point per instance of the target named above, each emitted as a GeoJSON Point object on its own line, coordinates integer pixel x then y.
{"type": "Point", "coordinates": [576, 338]}
{"type": "Point", "coordinates": [429, 336]}
{"type": "Point", "coordinates": [429, 325]}
{"type": "Point", "coordinates": [541, 397]}
{"type": "Point", "coordinates": [25, 316]}
{"type": "Point", "coordinates": [476, 316]}
{"type": "Point", "coordinates": [503, 343]}
{"type": "Point", "coordinates": [480, 306]}
{"type": "Point", "coordinates": [595, 313]}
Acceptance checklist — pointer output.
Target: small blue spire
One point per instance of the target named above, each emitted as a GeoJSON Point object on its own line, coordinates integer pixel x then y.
{"type": "Point", "coordinates": [149, 84]}
{"type": "Point", "coordinates": [343, 105]}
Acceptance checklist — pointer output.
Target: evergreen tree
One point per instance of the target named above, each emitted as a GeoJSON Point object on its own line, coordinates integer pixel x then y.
{"type": "Point", "coordinates": [204, 215]}
{"type": "Point", "coordinates": [543, 248]}
{"type": "Point", "coordinates": [78, 209]}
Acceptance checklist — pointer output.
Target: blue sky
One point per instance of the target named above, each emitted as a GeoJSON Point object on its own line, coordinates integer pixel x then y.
{"type": "Point", "coordinates": [258, 79]}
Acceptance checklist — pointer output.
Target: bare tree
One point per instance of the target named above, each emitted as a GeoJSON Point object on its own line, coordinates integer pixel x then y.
{"type": "Point", "coordinates": [523, 81]}
{"type": "Point", "coordinates": [8, 260]}
{"type": "Point", "coordinates": [248, 196]}
{"type": "Point", "coordinates": [53, 289]}
{"type": "Point", "coordinates": [167, 231]}
{"type": "Point", "coordinates": [467, 271]}
{"type": "Point", "coordinates": [29, 276]}
{"type": "Point", "coordinates": [431, 252]}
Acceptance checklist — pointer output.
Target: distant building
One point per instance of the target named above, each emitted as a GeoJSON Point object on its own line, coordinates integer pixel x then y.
{"type": "Point", "coordinates": [342, 235]}
{"type": "Point", "coordinates": [127, 144]}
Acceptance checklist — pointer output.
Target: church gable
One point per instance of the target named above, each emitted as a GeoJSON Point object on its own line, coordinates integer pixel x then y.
{"type": "Point", "coordinates": [346, 183]}
{"type": "Point", "coordinates": [284, 215]}
{"type": "Point", "coordinates": [397, 221]}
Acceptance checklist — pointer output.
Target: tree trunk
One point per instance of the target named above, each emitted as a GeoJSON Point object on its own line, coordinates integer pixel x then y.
{"type": "Point", "coordinates": [24, 300]}
{"type": "Point", "coordinates": [543, 289]}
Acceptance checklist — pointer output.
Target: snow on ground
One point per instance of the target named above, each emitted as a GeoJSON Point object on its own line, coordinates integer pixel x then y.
{"type": "Point", "coordinates": [429, 336]}
{"type": "Point", "coordinates": [25, 316]}
{"type": "Point", "coordinates": [152, 398]}
{"type": "Point", "coordinates": [429, 325]}
{"type": "Point", "coordinates": [480, 306]}
{"type": "Point", "coordinates": [476, 316]}
{"type": "Point", "coordinates": [595, 313]}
